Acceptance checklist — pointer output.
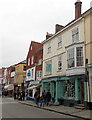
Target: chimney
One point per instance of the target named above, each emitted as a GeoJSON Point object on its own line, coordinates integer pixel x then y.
{"type": "Point", "coordinates": [78, 9]}
{"type": "Point", "coordinates": [58, 27]}
{"type": "Point", "coordinates": [48, 35]}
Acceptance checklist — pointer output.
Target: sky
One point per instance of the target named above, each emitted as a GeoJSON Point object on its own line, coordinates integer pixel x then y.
{"type": "Point", "coordinates": [23, 21]}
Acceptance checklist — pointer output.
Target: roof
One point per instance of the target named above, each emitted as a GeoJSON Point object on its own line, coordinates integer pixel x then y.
{"type": "Point", "coordinates": [69, 24]}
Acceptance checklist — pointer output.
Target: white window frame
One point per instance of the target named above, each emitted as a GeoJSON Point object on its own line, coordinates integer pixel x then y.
{"type": "Point", "coordinates": [75, 56]}
{"type": "Point", "coordinates": [32, 60]}
{"type": "Point", "coordinates": [80, 56]}
{"type": "Point", "coordinates": [39, 74]}
{"type": "Point", "coordinates": [48, 62]}
{"type": "Point", "coordinates": [59, 64]}
{"type": "Point", "coordinates": [70, 57]}
{"type": "Point", "coordinates": [75, 35]}
{"type": "Point", "coordinates": [59, 41]}
{"type": "Point", "coordinates": [28, 61]}
{"type": "Point", "coordinates": [49, 47]}
{"type": "Point", "coordinates": [40, 61]}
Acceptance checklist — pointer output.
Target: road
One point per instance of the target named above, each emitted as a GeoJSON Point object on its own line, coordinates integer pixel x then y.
{"type": "Point", "coordinates": [13, 109]}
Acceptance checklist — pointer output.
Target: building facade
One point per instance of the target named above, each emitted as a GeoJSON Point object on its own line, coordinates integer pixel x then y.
{"type": "Point", "coordinates": [34, 67]}
{"type": "Point", "coordinates": [64, 62]}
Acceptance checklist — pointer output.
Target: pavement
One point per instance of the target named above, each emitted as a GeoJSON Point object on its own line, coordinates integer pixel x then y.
{"type": "Point", "coordinates": [71, 111]}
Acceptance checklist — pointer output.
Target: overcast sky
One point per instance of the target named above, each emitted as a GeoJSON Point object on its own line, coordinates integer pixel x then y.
{"type": "Point", "coordinates": [23, 21]}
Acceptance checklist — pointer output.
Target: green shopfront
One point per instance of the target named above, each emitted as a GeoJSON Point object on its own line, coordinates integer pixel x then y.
{"type": "Point", "coordinates": [65, 90]}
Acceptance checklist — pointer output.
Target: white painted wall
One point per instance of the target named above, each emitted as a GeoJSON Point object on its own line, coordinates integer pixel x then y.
{"type": "Point", "coordinates": [28, 78]}
{"type": "Point", "coordinates": [66, 41]}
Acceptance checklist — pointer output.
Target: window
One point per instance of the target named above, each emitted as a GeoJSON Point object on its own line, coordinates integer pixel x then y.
{"type": "Point", "coordinates": [32, 72]}
{"type": "Point", "coordinates": [69, 88]}
{"type": "Point", "coordinates": [39, 61]}
{"type": "Point", "coordinates": [70, 57]}
{"type": "Point", "coordinates": [48, 67]}
{"type": "Point", "coordinates": [28, 61]}
{"type": "Point", "coordinates": [59, 63]}
{"type": "Point", "coordinates": [59, 41]}
{"type": "Point", "coordinates": [24, 68]}
{"type": "Point", "coordinates": [32, 60]}
{"type": "Point", "coordinates": [39, 74]}
{"type": "Point", "coordinates": [49, 47]}
{"type": "Point", "coordinates": [79, 56]}
{"type": "Point", "coordinates": [75, 35]}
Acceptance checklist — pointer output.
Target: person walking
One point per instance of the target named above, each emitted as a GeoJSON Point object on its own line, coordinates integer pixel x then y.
{"type": "Point", "coordinates": [42, 100]}
{"type": "Point", "coordinates": [48, 97]}
{"type": "Point", "coordinates": [23, 95]}
{"type": "Point", "coordinates": [15, 93]}
{"type": "Point", "coordinates": [37, 97]}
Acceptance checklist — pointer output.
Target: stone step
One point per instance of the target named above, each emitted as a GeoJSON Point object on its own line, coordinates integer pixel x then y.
{"type": "Point", "coordinates": [80, 106]}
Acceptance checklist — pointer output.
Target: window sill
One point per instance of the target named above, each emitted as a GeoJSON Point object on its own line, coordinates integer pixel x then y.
{"type": "Point", "coordinates": [78, 67]}
{"type": "Point", "coordinates": [47, 74]}
{"type": "Point", "coordinates": [59, 70]}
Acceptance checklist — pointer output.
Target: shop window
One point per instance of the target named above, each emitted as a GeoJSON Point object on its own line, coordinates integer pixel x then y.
{"type": "Point", "coordinates": [69, 88]}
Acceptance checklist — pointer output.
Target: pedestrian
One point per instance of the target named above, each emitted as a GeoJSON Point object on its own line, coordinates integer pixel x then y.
{"type": "Point", "coordinates": [15, 94]}
{"type": "Point", "coordinates": [23, 95]}
{"type": "Point", "coordinates": [48, 97]}
{"type": "Point", "coordinates": [42, 100]}
{"type": "Point", "coordinates": [37, 97]}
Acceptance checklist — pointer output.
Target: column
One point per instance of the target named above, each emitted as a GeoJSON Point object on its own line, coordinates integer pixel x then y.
{"type": "Point", "coordinates": [43, 86]}
{"type": "Point", "coordinates": [76, 89]}
{"type": "Point", "coordinates": [85, 91]}
{"type": "Point", "coordinates": [57, 90]}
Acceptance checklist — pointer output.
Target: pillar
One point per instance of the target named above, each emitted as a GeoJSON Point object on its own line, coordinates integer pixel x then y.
{"type": "Point", "coordinates": [57, 90]}
{"type": "Point", "coordinates": [85, 91]}
{"type": "Point", "coordinates": [76, 89]}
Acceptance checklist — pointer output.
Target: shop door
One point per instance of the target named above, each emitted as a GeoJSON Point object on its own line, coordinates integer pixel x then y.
{"type": "Point", "coordinates": [82, 92]}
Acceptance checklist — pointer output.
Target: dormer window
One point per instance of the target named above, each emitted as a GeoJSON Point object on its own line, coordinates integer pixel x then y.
{"type": "Point", "coordinates": [75, 35]}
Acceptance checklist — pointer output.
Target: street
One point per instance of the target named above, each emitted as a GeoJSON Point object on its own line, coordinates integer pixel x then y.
{"type": "Point", "coordinates": [13, 109]}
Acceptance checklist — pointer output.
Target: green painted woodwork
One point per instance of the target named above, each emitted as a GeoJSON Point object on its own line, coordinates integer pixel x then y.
{"type": "Point", "coordinates": [76, 89]}
{"type": "Point", "coordinates": [57, 88]}
{"type": "Point", "coordinates": [48, 67]}
{"type": "Point", "coordinates": [85, 91]}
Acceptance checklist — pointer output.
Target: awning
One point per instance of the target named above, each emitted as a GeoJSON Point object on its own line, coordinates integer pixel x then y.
{"type": "Point", "coordinates": [9, 87]}
{"type": "Point", "coordinates": [32, 87]}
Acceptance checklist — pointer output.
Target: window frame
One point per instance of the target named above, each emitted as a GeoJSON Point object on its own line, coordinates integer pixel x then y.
{"type": "Point", "coordinates": [75, 35]}
{"type": "Point", "coordinates": [59, 60]}
{"type": "Point", "coordinates": [59, 40]}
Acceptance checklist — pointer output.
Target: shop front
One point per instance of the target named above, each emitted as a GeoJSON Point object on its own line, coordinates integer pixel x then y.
{"type": "Point", "coordinates": [67, 91]}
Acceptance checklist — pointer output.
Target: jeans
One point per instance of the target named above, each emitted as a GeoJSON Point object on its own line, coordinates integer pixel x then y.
{"type": "Point", "coordinates": [42, 103]}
